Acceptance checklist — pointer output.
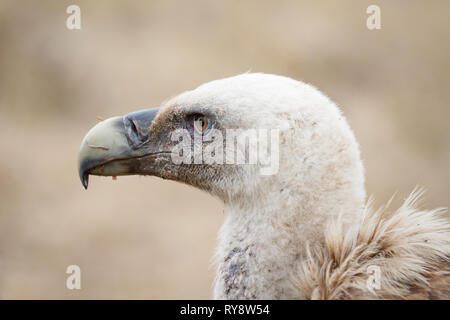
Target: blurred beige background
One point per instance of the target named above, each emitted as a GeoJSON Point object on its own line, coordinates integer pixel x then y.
{"type": "Point", "coordinates": [141, 237]}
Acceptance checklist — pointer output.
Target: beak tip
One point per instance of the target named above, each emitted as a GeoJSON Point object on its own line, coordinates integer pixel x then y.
{"type": "Point", "coordinates": [84, 179]}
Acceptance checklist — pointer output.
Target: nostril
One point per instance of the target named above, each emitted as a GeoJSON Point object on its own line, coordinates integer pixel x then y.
{"type": "Point", "coordinates": [137, 126]}
{"type": "Point", "coordinates": [132, 131]}
{"type": "Point", "coordinates": [133, 127]}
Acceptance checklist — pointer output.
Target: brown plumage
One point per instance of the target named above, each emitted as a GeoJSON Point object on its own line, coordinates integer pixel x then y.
{"type": "Point", "coordinates": [438, 288]}
{"type": "Point", "coordinates": [410, 249]}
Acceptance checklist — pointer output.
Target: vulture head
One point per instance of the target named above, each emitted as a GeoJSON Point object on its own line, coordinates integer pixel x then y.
{"type": "Point", "coordinates": [282, 158]}
{"type": "Point", "coordinates": [290, 137]}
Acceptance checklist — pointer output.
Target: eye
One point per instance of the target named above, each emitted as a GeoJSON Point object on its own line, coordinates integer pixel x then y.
{"type": "Point", "coordinates": [200, 123]}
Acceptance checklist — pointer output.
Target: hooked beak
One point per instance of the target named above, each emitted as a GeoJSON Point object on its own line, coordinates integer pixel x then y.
{"type": "Point", "coordinates": [117, 146]}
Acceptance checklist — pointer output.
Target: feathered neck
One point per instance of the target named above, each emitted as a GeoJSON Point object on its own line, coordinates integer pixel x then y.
{"type": "Point", "coordinates": [261, 241]}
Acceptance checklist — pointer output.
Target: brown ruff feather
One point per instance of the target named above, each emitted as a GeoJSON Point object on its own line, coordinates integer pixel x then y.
{"type": "Point", "coordinates": [439, 285]}
{"type": "Point", "coordinates": [410, 248]}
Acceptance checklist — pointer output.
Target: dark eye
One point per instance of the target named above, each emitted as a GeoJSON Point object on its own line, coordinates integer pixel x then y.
{"type": "Point", "coordinates": [200, 123]}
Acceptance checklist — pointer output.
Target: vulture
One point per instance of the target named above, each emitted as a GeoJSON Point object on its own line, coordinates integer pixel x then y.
{"type": "Point", "coordinates": [297, 223]}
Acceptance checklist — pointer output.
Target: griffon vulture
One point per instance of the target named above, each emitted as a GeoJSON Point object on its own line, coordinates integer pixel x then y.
{"type": "Point", "coordinates": [300, 231]}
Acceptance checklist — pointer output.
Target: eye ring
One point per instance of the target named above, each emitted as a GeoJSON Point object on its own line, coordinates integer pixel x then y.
{"type": "Point", "coordinates": [201, 123]}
